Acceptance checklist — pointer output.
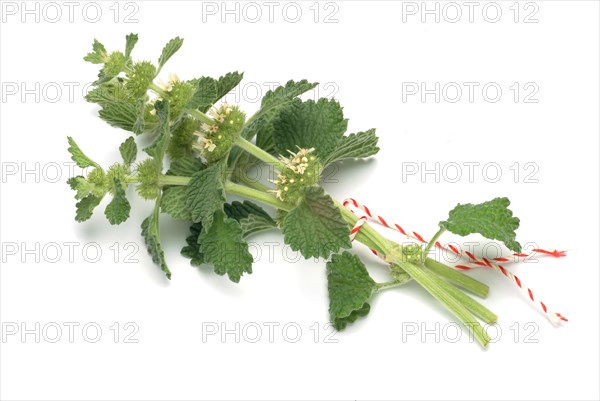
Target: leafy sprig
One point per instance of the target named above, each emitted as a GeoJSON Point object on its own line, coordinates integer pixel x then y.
{"type": "Point", "coordinates": [202, 152]}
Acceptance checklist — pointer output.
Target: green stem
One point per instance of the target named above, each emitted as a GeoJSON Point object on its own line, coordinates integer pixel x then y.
{"type": "Point", "coordinates": [198, 115]}
{"type": "Point", "coordinates": [475, 307]}
{"type": "Point", "coordinates": [390, 284]}
{"type": "Point", "coordinates": [244, 179]}
{"type": "Point", "coordinates": [173, 180]}
{"type": "Point", "coordinates": [254, 194]}
{"type": "Point", "coordinates": [259, 153]}
{"type": "Point", "coordinates": [432, 242]}
{"type": "Point", "coordinates": [159, 91]}
{"type": "Point", "coordinates": [428, 281]}
{"type": "Point", "coordinates": [462, 280]}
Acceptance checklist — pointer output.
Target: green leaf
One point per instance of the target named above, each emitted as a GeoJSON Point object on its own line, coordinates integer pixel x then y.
{"type": "Point", "coordinates": [309, 124]}
{"type": "Point", "coordinates": [173, 203]}
{"type": "Point", "coordinates": [359, 145]}
{"type": "Point", "coordinates": [98, 55]}
{"type": "Point", "coordinates": [492, 219]}
{"type": "Point", "coordinates": [252, 218]}
{"type": "Point", "coordinates": [128, 150]}
{"type": "Point", "coordinates": [130, 42]}
{"type": "Point", "coordinates": [192, 250]}
{"type": "Point", "coordinates": [316, 226]}
{"type": "Point", "coordinates": [85, 207]}
{"type": "Point", "coordinates": [159, 146]}
{"type": "Point", "coordinates": [185, 166]}
{"type": "Point", "coordinates": [169, 50]}
{"type": "Point", "coordinates": [227, 82]}
{"type": "Point", "coordinates": [117, 211]}
{"type": "Point", "coordinates": [206, 193]}
{"type": "Point", "coordinates": [122, 115]}
{"type": "Point", "coordinates": [78, 156]}
{"type": "Point", "coordinates": [109, 92]}
{"type": "Point", "coordinates": [350, 287]}
{"type": "Point", "coordinates": [271, 103]}
{"type": "Point", "coordinates": [151, 236]}
{"type": "Point", "coordinates": [222, 245]}
{"type": "Point", "coordinates": [205, 94]}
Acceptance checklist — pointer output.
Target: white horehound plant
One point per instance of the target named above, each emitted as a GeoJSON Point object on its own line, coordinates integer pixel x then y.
{"type": "Point", "coordinates": [208, 149]}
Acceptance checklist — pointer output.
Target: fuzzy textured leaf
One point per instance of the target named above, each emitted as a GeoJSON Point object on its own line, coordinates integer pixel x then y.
{"type": "Point", "coordinates": [169, 50]}
{"type": "Point", "coordinates": [151, 236]}
{"type": "Point", "coordinates": [252, 218]}
{"type": "Point", "coordinates": [117, 211]}
{"type": "Point", "coordinates": [192, 249]}
{"type": "Point", "coordinates": [316, 227]}
{"type": "Point", "coordinates": [78, 156]}
{"type": "Point", "coordinates": [85, 207]}
{"type": "Point", "coordinates": [128, 150]}
{"type": "Point", "coordinates": [223, 246]}
{"type": "Point", "coordinates": [206, 193]}
{"type": "Point", "coordinates": [185, 166]}
{"type": "Point", "coordinates": [205, 94]}
{"type": "Point", "coordinates": [122, 115]}
{"type": "Point", "coordinates": [359, 145]}
{"type": "Point", "coordinates": [130, 42]}
{"type": "Point", "coordinates": [310, 124]}
{"type": "Point", "coordinates": [492, 219]}
{"type": "Point", "coordinates": [159, 146]}
{"type": "Point", "coordinates": [350, 287]}
{"type": "Point", "coordinates": [173, 203]}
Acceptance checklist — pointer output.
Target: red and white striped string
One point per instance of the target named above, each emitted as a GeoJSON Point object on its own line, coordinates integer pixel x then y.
{"type": "Point", "coordinates": [554, 317]}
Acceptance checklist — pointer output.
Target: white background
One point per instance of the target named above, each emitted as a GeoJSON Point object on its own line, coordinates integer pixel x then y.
{"type": "Point", "coordinates": [366, 58]}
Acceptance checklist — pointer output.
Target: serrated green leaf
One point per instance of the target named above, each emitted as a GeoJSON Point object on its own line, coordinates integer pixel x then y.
{"type": "Point", "coordinates": [109, 92]}
{"type": "Point", "coordinates": [492, 219]}
{"type": "Point", "coordinates": [309, 124]}
{"type": "Point", "coordinates": [359, 145]}
{"type": "Point", "coordinates": [192, 249]}
{"type": "Point", "coordinates": [185, 166]}
{"type": "Point", "coordinates": [350, 288]}
{"type": "Point", "coordinates": [85, 207]}
{"type": "Point", "coordinates": [130, 42]}
{"type": "Point", "coordinates": [128, 150]}
{"type": "Point", "coordinates": [227, 82]}
{"type": "Point", "coordinates": [173, 203]}
{"type": "Point", "coordinates": [223, 246]}
{"type": "Point", "coordinates": [261, 123]}
{"type": "Point", "coordinates": [117, 211]}
{"type": "Point", "coordinates": [78, 156]}
{"type": "Point", "coordinates": [252, 218]}
{"type": "Point", "coordinates": [150, 233]}
{"type": "Point", "coordinates": [272, 102]}
{"type": "Point", "coordinates": [159, 146]}
{"type": "Point", "coordinates": [98, 55]}
{"type": "Point", "coordinates": [120, 115]}
{"type": "Point", "coordinates": [204, 96]}
{"type": "Point", "coordinates": [169, 50]}
{"type": "Point", "coordinates": [316, 227]}
{"type": "Point", "coordinates": [206, 193]}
